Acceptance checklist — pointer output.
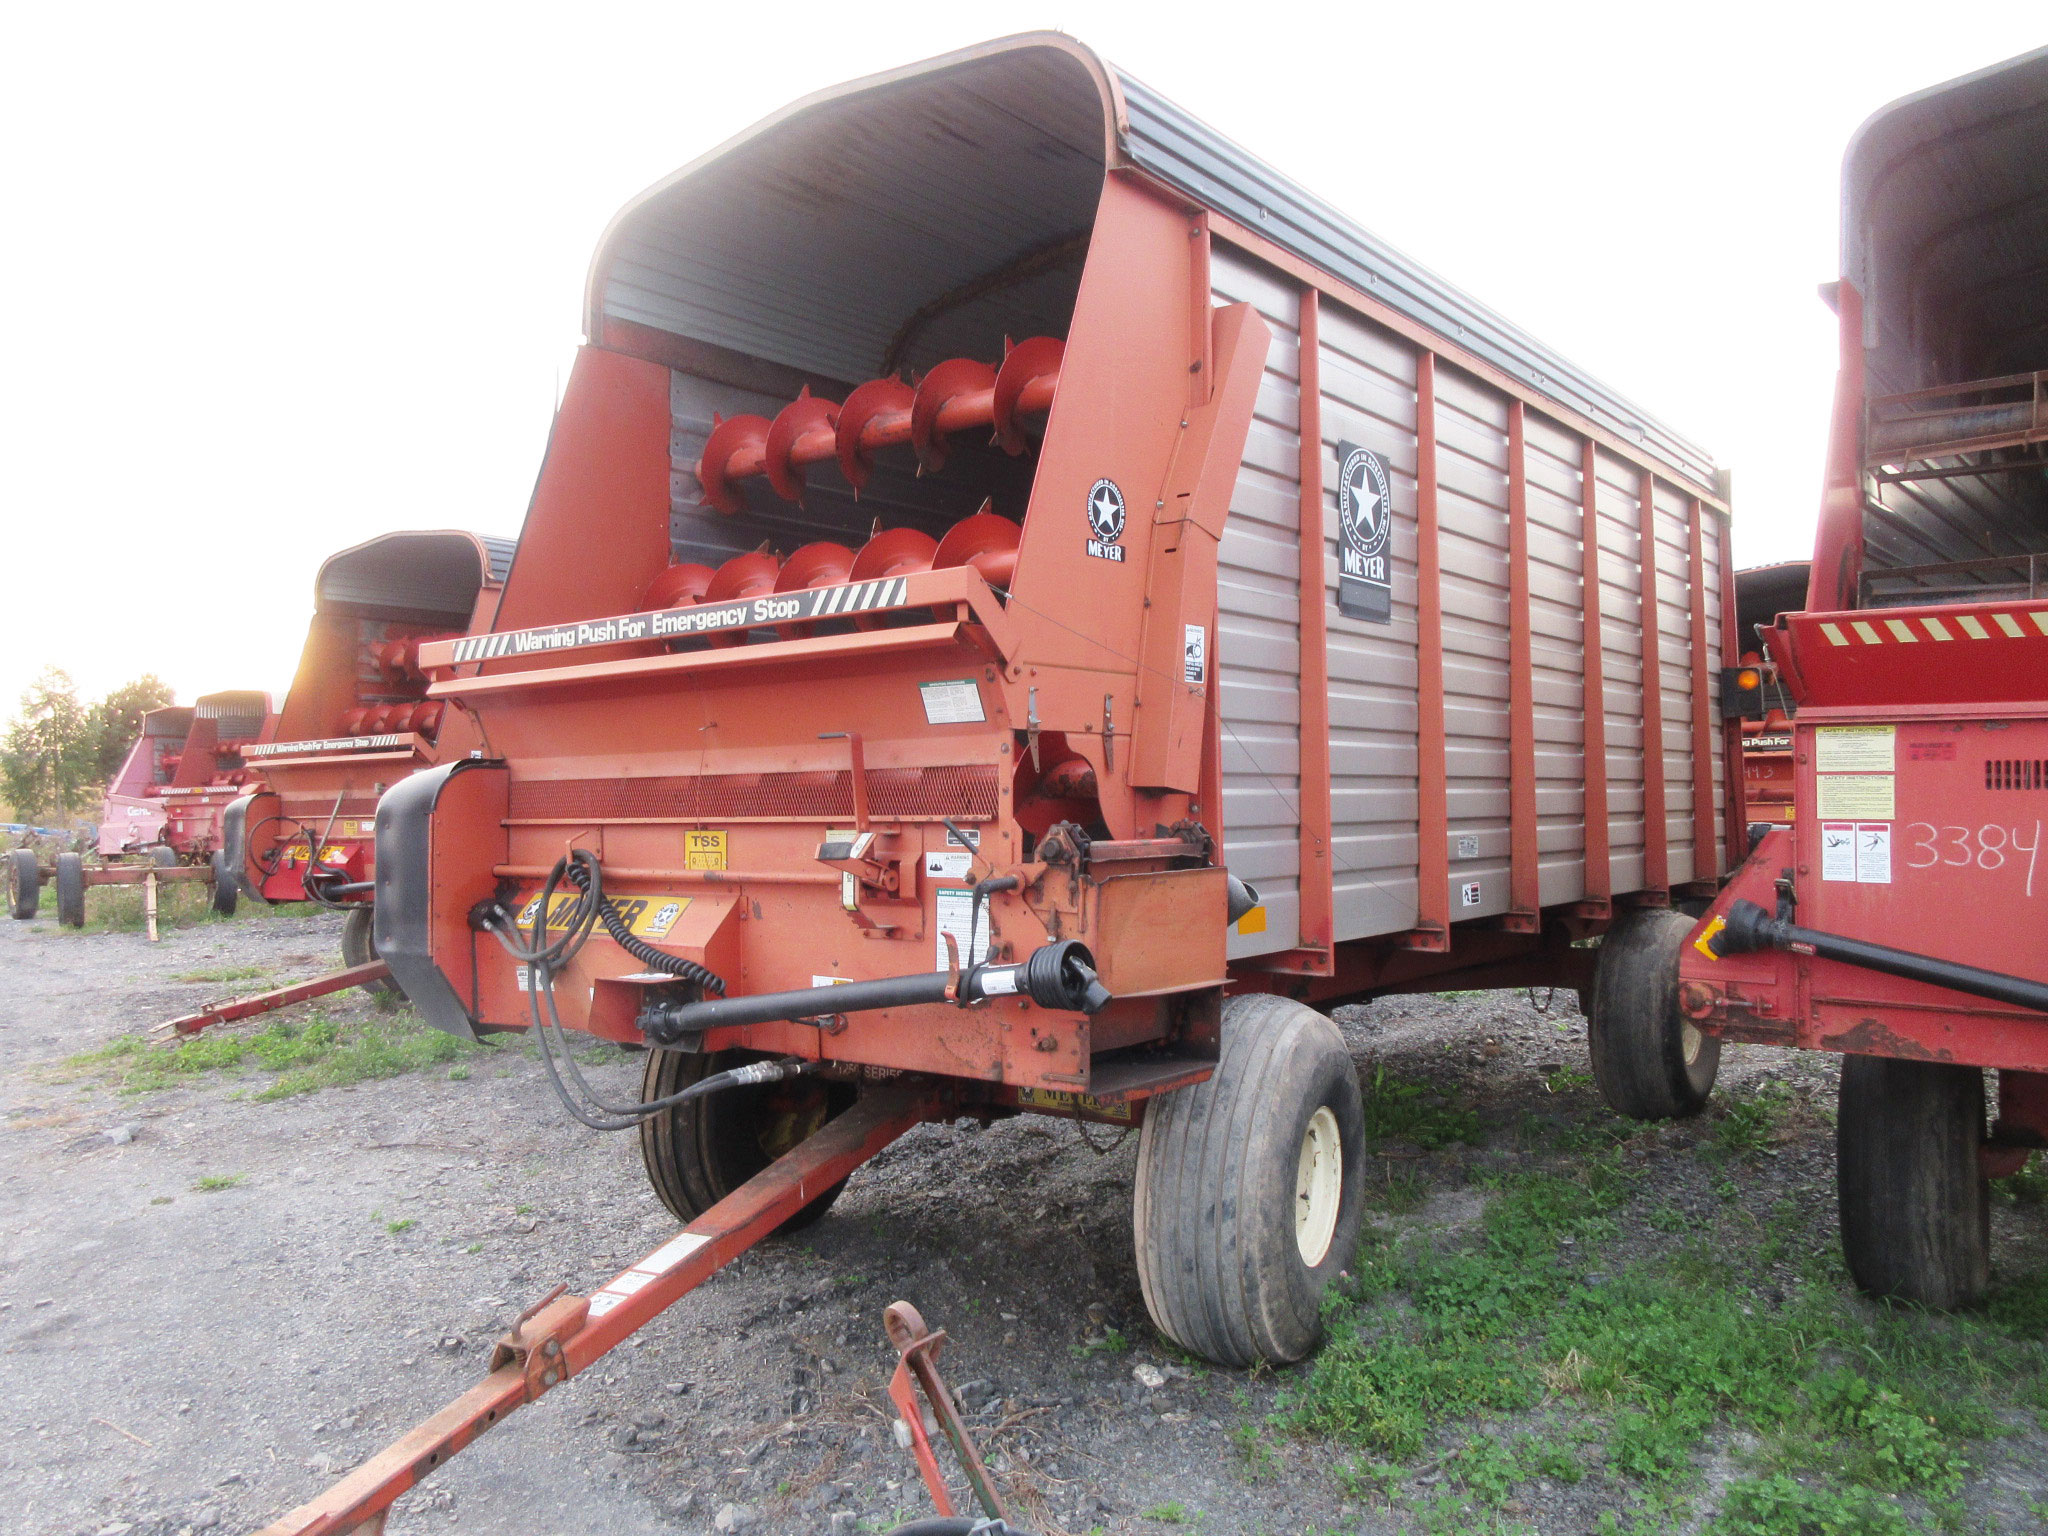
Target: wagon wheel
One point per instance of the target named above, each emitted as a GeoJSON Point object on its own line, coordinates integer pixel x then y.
{"type": "Point", "coordinates": [163, 858]}
{"type": "Point", "coordinates": [1250, 1189]}
{"type": "Point", "coordinates": [359, 947]}
{"type": "Point", "coordinates": [1650, 1061]}
{"type": "Point", "coordinates": [698, 1152]}
{"type": "Point", "coordinates": [1915, 1205]}
{"type": "Point", "coordinates": [225, 886]}
{"type": "Point", "coordinates": [24, 883]}
{"type": "Point", "coordinates": [71, 890]}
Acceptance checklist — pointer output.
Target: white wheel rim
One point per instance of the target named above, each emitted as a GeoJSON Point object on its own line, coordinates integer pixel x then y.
{"type": "Point", "coordinates": [1690, 1041]}
{"type": "Point", "coordinates": [1318, 1187]}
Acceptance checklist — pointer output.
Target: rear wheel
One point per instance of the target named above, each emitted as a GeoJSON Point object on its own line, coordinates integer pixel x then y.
{"type": "Point", "coordinates": [1915, 1205]}
{"type": "Point", "coordinates": [359, 947]}
{"type": "Point", "coordinates": [1250, 1188]}
{"type": "Point", "coordinates": [224, 886]}
{"type": "Point", "coordinates": [71, 890]}
{"type": "Point", "coordinates": [163, 858]}
{"type": "Point", "coordinates": [696, 1153]}
{"type": "Point", "coordinates": [24, 883]}
{"type": "Point", "coordinates": [1650, 1061]}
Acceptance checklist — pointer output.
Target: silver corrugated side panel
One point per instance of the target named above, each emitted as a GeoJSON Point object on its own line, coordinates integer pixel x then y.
{"type": "Point", "coordinates": [1258, 624]}
{"type": "Point", "coordinates": [1368, 397]}
{"type": "Point", "coordinates": [1182, 150]}
{"type": "Point", "coordinates": [1622, 666]}
{"type": "Point", "coordinates": [1557, 651]}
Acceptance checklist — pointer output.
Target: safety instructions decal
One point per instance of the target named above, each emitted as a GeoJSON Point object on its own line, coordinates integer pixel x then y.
{"type": "Point", "coordinates": [1865, 796]}
{"type": "Point", "coordinates": [1858, 852]}
{"type": "Point", "coordinates": [1854, 748]}
{"type": "Point", "coordinates": [954, 701]}
{"type": "Point", "coordinates": [955, 911]}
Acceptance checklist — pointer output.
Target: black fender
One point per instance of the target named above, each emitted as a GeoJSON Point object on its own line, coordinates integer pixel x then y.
{"type": "Point", "coordinates": [439, 833]}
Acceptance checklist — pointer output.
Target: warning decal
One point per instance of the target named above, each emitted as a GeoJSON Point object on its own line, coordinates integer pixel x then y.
{"type": "Point", "coordinates": [1853, 748]}
{"type": "Point", "coordinates": [703, 850]}
{"type": "Point", "coordinates": [954, 701]}
{"type": "Point", "coordinates": [1858, 852]}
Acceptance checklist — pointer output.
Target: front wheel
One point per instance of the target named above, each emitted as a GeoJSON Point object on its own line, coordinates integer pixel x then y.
{"type": "Point", "coordinates": [359, 947]}
{"type": "Point", "coordinates": [24, 883]}
{"type": "Point", "coordinates": [162, 857]}
{"type": "Point", "coordinates": [1250, 1187]}
{"type": "Point", "coordinates": [1915, 1205]}
{"type": "Point", "coordinates": [698, 1152]}
{"type": "Point", "coordinates": [1650, 1061]}
{"type": "Point", "coordinates": [71, 890]}
{"type": "Point", "coordinates": [224, 883]}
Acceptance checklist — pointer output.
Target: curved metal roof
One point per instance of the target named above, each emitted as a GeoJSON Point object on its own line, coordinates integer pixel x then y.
{"type": "Point", "coordinates": [1945, 227]}
{"type": "Point", "coordinates": [717, 251]}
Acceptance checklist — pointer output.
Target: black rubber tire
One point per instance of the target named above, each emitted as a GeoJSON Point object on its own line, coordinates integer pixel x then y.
{"type": "Point", "coordinates": [699, 1152]}
{"type": "Point", "coordinates": [1649, 1061]}
{"type": "Point", "coordinates": [938, 1525]}
{"type": "Point", "coordinates": [163, 858]}
{"type": "Point", "coordinates": [24, 883]}
{"type": "Point", "coordinates": [71, 890]}
{"type": "Point", "coordinates": [359, 947]}
{"type": "Point", "coordinates": [1915, 1205]}
{"type": "Point", "coordinates": [225, 886]}
{"type": "Point", "coordinates": [1214, 1207]}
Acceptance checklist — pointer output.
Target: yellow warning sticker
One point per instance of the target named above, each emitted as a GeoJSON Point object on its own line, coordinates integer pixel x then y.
{"type": "Point", "coordinates": [1853, 749]}
{"type": "Point", "coordinates": [646, 917]}
{"type": "Point", "coordinates": [1855, 796]}
{"type": "Point", "coordinates": [703, 850]}
{"type": "Point", "coordinates": [328, 855]}
{"type": "Point", "coordinates": [1067, 1103]}
{"type": "Point", "coordinates": [1253, 921]}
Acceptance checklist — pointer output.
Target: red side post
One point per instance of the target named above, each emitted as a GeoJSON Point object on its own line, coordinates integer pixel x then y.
{"type": "Point", "coordinates": [1704, 865]}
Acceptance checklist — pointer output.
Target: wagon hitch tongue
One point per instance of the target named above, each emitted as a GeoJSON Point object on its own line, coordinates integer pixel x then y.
{"type": "Point", "coordinates": [563, 1335]}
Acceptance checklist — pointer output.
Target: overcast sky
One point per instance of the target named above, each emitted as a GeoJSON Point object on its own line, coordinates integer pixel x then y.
{"type": "Point", "coordinates": [275, 279]}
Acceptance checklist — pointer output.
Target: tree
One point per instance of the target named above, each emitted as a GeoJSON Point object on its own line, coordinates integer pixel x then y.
{"type": "Point", "coordinates": [117, 721]}
{"type": "Point", "coordinates": [49, 759]}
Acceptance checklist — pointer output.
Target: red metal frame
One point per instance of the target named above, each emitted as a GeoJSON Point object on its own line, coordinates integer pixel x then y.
{"type": "Point", "coordinates": [1704, 817]}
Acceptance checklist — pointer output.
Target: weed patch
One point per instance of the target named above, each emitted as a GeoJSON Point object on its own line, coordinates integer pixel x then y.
{"type": "Point", "coordinates": [1398, 1110]}
{"type": "Point", "coordinates": [307, 1053]}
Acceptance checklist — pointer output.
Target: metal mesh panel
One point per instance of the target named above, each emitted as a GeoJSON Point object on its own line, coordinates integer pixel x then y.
{"type": "Point", "coordinates": [963, 792]}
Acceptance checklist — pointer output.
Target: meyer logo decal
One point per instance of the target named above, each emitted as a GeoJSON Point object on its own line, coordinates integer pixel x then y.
{"type": "Point", "coordinates": [1105, 510]}
{"type": "Point", "coordinates": [1365, 521]}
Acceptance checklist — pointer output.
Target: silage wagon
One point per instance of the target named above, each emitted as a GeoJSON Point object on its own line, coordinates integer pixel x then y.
{"type": "Point", "coordinates": [357, 719]}
{"type": "Point", "coordinates": [162, 819]}
{"type": "Point", "coordinates": [1894, 920]}
{"type": "Point", "coordinates": [1024, 610]}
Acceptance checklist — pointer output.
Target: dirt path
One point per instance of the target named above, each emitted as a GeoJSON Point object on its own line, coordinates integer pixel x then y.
{"type": "Point", "coordinates": [179, 1357]}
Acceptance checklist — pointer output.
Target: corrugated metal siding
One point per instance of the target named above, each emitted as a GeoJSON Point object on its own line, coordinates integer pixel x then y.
{"type": "Point", "coordinates": [1622, 663]}
{"type": "Point", "coordinates": [1557, 631]}
{"type": "Point", "coordinates": [1472, 516]}
{"type": "Point", "coordinates": [1674, 649]}
{"type": "Point", "coordinates": [1258, 624]}
{"type": "Point", "coordinates": [1180, 149]}
{"type": "Point", "coordinates": [499, 552]}
{"type": "Point", "coordinates": [1368, 393]}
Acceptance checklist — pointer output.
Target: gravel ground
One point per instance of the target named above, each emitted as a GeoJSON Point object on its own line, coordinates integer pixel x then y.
{"type": "Point", "coordinates": [177, 1359]}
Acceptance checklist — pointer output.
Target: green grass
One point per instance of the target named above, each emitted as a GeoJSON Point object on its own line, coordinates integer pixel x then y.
{"type": "Point", "coordinates": [213, 1181]}
{"type": "Point", "coordinates": [308, 1052]}
{"type": "Point", "coordinates": [1524, 1348]}
{"type": "Point", "coordinates": [1110, 1342]}
{"type": "Point", "coordinates": [225, 973]}
{"type": "Point", "coordinates": [185, 904]}
{"type": "Point", "coordinates": [1398, 1110]}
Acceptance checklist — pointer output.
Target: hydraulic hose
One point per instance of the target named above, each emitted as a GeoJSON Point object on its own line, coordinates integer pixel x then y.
{"type": "Point", "coordinates": [1749, 927]}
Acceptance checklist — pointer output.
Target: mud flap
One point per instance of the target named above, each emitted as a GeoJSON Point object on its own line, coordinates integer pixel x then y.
{"type": "Point", "coordinates": [439, 833]}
